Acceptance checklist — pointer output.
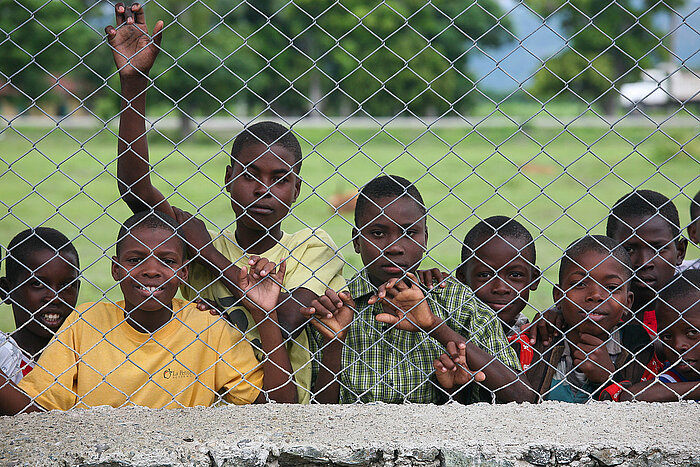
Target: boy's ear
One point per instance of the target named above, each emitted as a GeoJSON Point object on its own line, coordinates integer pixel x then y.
{"type": "Point", "coordinates": [693, 232]}
{"type": "Point", "coordinates": [630, 300]}
{"type": "Point", "coordinates": [557, 294]}
{"type": "Point", "coordinates": [460, 274]}
{"type": "Point", "coordinates": [681, 247]}
{"type": "Point", "coordinates": [228, 176]}
{"type": "Point", "coordinates": [356, 240]}
{"type": "Point", "coordinates": [297, 186]}
{"type": "Point", "coordinates": [536, 276]}
{"type": "Point", "coordinates": [117, 270]}
{"type": "Point", "coordinates": [184, 272]}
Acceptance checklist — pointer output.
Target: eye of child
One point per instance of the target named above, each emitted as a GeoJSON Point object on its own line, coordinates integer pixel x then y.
{"type": "Point", "coordinates": [377, 233]}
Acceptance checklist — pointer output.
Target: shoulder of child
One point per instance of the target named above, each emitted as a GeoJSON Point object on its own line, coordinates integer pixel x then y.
{"type": "Point", "coordinates": [309, 238]}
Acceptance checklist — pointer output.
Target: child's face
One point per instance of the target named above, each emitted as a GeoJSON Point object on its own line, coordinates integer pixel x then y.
{"type": "Point", "coordinates": [391, 243]}
{"type": "Point", "coordinates": [680, 333]}
{"type": "Point", "coordinates": [262, 184]}
{"type": "Point", "coordinates": [501, 277]}
{"type": "Point", "coordinates": [149, 268]}
{"type": "Point", "coordinates": [593, 294]}
{"type": "Point", "coordinates": [45, 297]}
{"type": "Point", "coordinates": [654, 253]}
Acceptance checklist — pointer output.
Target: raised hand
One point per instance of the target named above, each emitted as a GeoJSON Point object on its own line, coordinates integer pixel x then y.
{"type": "Point", "coordinates": [331, 314]}
{"type": "Point", "coordinates": [261, 284]}
{"type": "Point", "coordinates": [134, 50]}
{"type": "Point", "coordinates": [451, 369]}
{"type": "Point", "coordinates": [404, 305]}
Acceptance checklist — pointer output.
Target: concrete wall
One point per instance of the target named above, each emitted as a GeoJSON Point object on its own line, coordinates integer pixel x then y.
{"type": "Point", "coordinates": [598, 434]}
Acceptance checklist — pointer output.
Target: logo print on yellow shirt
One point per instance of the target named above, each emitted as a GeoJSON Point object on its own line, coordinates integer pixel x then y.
{"type": "Point", "coordinates": [177, 374]}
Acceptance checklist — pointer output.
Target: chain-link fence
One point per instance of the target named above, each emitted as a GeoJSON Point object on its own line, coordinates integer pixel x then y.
{"type": "Point", "coordinates": [485, 138]}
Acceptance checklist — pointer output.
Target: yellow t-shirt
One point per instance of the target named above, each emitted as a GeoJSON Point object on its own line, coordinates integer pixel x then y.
{"type": "Point", "coordinates": [97, 358]}
{"type": "Point", "coordinates": [313, 262]}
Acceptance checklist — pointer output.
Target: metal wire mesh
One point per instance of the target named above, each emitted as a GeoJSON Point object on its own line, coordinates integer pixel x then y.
{"type": "Point", "coordinates": [544, 112]}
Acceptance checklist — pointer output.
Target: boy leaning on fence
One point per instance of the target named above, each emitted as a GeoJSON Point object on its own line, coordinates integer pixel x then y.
{"type": "Point", "coordinates": [263, 181]}
{"type": "Point", "coordinates": [400, 328]}
{"type": "Point", "coordinates": [591, 360]}
{"type": "Point", "coordinates": [152, 349]}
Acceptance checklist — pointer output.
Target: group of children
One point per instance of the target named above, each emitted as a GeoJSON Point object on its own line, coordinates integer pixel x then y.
{"type": "Point", "coordinates": [624, 325]}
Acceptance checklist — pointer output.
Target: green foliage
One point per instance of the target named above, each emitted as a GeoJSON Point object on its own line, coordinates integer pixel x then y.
{"type": "Point", "coordinates": [607, 43]}
{"type": "Point", "coordinates": [384, 57]}
{"type": "Point", "coordinates": [42, 41]}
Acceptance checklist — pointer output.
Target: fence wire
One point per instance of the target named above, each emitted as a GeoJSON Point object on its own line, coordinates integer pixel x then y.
{"type": "Point", "coordinates": [312, 147]}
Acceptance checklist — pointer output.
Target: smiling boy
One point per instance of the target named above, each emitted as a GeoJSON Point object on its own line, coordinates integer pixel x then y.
{"type": "Point", "coordinates": [152, 349]}
{"type": "Point", "coordinates": [398, 331]}
{"type": "Point", "coordinates": [41, 283]}
{"type": "Point", "coordinates": [263, 182]}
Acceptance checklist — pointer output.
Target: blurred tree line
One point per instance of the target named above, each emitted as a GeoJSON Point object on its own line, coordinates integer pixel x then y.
{"type": "Point", "coordinates": [347, 57]}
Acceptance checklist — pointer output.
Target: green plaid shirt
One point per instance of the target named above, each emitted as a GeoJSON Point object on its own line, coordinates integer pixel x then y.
{"type": "Point", "coordinates": [381, 363]}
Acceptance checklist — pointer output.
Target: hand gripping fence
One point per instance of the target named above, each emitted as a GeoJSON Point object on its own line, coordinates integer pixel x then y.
{"type": "Point", "coordinates": [525, 126]}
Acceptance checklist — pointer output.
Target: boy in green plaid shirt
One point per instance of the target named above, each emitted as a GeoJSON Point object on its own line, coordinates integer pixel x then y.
{"type": "Point", "coordinates": [382, 339]}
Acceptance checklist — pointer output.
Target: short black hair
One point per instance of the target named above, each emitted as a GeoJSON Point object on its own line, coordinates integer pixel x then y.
{"type": "Point", "coordinates": [684, 285]}
{"type": "Point", "coordinates": [501, 226]}
{"type": "Point", "coordinates": [695, 208]}
{"type": "Point", "coordinates": [387, 186]}
{"type": "Point", "coordinates": [641, 204]}
{"type": "Point", "coordinates": [595, 244]}
{"type": "Point", "coordinates": [150, 220]}
{"type": "Point", "coordinates": [270, 133]}
{"type": "Point", "coordinates": [31, 241]}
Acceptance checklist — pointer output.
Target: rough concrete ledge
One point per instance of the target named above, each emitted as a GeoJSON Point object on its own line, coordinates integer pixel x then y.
{"type": "Point", "coordinates": [550, 434]}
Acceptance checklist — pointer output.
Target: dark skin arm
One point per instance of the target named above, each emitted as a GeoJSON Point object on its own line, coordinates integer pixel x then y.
{"type": "Point", "coordinates": [135, 52]}
{"type": "Point", "coordinates": [407, 309]}
{"type": "Point", "coordinates": [13, 400]}
{"type": "Point", "coordinates": [656, 391]}
{"type": "Point", "coordinates": [200, 247]}
{"type": "Point", "coordinates": [331, 315]}
{"type": "Point", "coordinates": [260, 297]}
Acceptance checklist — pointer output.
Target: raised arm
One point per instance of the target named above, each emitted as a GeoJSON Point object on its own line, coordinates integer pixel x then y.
{"type": "Point", "coordinates": [260, 298]}
{"type": "Point", "coordinates": [134, 52]}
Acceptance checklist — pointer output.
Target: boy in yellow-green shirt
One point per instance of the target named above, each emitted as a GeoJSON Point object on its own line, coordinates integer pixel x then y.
{"type": "Point", "coordinates": [154, 350]}
{"type": "Point", "coordinates": [263, 182]}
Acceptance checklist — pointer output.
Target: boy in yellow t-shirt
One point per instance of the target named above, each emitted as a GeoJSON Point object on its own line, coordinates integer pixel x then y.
{"type": "Point", "coordinates": [154, 350]}
{"type": "Point", "coordinates": [263, 181]}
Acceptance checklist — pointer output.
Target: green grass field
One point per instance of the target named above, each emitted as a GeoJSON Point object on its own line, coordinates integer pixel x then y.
{"type": "Point", "coordinates": [561, 184]}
